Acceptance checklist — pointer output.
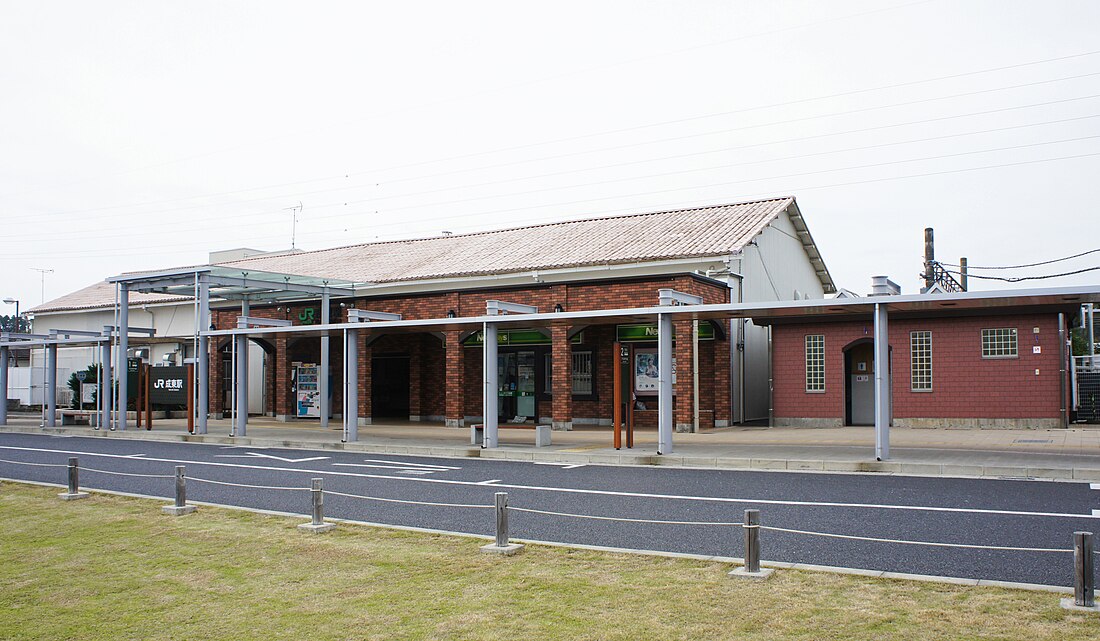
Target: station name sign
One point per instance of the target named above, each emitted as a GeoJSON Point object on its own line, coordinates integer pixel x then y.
{"type": "Point", "coordinates": [168, 385]}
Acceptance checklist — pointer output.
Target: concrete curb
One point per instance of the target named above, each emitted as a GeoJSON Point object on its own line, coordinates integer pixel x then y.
{"type": "Point", "coordinates": [805, 567]}
{"type": "Point", "coordinates": [819, 466]}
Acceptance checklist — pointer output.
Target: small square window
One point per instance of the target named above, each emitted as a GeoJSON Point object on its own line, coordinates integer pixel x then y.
{"type": "Point", "coordinates": [999, 343]}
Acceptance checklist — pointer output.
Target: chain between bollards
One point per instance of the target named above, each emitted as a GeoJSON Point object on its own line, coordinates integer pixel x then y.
{"type": "Point", "coordinates": [501, 545]}
{"type": "Point", "coordinates": [317, 494]}
{"type": "Point", "coordinates": [73, 492]}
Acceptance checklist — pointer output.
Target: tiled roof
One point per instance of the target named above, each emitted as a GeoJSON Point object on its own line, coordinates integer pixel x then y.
{"type": "Point", "coordinates": [685, 233]}
{"type": "Point", "coordinates": [98, 295]}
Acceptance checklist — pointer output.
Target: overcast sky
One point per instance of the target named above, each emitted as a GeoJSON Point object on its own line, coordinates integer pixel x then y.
{"type": "Point", "coordinates": [143, 135]}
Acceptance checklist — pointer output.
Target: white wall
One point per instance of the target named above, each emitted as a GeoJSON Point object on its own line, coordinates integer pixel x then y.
{"type": "Point", "coordinates": [775, 267]}
{"type": "Point", "coordinates": [27, 384]}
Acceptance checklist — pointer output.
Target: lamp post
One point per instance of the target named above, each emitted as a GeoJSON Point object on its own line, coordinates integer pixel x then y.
{"type": "Point", "coordinates": [18, 324]}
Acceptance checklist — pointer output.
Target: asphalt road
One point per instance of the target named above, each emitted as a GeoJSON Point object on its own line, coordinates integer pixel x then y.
{"type": "Point", "coordinates": [1015, 513]}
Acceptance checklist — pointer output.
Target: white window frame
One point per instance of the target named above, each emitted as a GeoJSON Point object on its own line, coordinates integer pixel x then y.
{"type": "Point", "coordinates": [815, 363]}
{"type": "Point", "coordinates": [996, 343]}
{"type": "Point", "coordinates": [920, 361]}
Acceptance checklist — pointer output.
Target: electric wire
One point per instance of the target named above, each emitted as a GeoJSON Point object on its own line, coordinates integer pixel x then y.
{"type": "Point", "coordinates": [730, 130]}
{"type": "Point", "coordinates": [1045, 262]}
{"type": "Point", "coordinates": [590, 214]}
{"type": "Point", "coordinates": [1020, 279]}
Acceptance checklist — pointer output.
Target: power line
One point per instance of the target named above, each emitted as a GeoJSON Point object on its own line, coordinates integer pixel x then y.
{"type": "Point", "coordinates": [678, 204]}
{"type": "Point", "coordinates": [1019, 279]}
{"type": "Point", "coordinates": [1045, 262]}
{"type": "Point", "coordinates": [405, 108]}
{"type": "Point", "coordinates": [83, 235]}
{"type": "Point", "coordinates": [681, 120]}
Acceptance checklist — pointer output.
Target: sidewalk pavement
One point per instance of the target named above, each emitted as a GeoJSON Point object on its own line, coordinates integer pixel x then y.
{"type": "Point", "coordinates": [1047, 454]}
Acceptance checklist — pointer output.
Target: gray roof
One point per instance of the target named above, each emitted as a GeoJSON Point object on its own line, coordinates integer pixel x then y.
{"type": "Point", "coordinates": [718, 230]}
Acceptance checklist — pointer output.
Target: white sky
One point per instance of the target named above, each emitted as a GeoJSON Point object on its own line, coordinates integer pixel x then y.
{"type": "Point", "coordinates": [138, 135]}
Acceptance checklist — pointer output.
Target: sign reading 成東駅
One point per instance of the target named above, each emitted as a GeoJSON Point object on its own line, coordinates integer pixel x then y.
{"type": "Point", "coordinates": [168, 385]}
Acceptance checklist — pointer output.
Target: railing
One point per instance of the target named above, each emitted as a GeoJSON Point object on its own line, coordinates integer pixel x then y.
{"type": "Point", "coordinates": [1082, 550]}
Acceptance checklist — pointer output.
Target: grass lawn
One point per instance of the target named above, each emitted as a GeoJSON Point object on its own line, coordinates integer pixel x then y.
{"type": "Point", "coordinates": [116, 568]}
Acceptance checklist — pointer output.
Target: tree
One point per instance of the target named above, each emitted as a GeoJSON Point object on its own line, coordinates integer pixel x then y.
{"type": "Point", "coordinates": [13, 324]}
{"type": "Point", "coordinates": [91, 375]}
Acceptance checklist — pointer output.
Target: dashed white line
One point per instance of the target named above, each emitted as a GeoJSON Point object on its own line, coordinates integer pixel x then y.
{"type": "Point", "coordinates": [410, 464]}
{"type": "Point", "coordinates": [489, 482]}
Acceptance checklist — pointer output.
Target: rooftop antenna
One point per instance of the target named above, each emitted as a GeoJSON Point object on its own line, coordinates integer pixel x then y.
{"type": "Point", "coordinates": [295, 210]}
{"type": "Point", "coordinates": [43, 272]}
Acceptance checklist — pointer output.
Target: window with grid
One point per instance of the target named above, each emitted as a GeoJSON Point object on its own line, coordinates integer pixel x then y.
{"type": "Point", "coordinates": [920, 361]}
{"type": "Point", "coordinates": [582, 373]}
{"type": "Point", "coordinates": [815, 363]}
{"type": "Point", "coordinates": [999, 343]}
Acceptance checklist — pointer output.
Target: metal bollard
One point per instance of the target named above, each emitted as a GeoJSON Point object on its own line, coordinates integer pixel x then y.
{"type": "Point", "coordinates": [1084, 584]}
{"type": "Point", "coordinates": [502, 518]}
{"type": "Point", "coordinates": [752, 540]}
{"type": "Point", "coordinates": [318, 503]}
{"type": "Point", "coordinates": [501, 544]}
{"type": "Point", "coordinates": [751, 569]}
{"type": "Point", "coordinates": [73, 492]}
{"type": "Point", "coordinates": [317, 525]}
{"type": "Point", "coordinates": [180, 507]}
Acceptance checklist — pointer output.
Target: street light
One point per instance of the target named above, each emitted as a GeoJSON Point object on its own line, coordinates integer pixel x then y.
{"type": "Point", "coordinates": [12, 301]}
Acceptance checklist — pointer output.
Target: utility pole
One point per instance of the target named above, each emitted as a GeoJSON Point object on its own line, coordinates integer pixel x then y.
{"type": "Point", "coordinates": [43, 272]}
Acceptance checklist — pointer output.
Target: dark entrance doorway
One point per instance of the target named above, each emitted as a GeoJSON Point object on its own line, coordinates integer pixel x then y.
{"type": "Point", "coordinates": [859, 383]}
{"type": "Point", "coordinates": [390, 386]}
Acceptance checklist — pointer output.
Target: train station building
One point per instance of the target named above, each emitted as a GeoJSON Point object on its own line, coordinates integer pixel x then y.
{"type": "Point", "coordinates": [699, 318]}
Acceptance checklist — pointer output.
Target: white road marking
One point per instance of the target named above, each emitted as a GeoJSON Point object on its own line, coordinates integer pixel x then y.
{"type": "Point", "coordinates": [1094, 486]}
{"type": "Point", "coordinates": [568, 490]}
{"type": "Point", "coordinates": [272, 456]}
{"type": "Point", "coordinates": [564, 466]}
{"type": "Point", "coordinates": [409, 470]}
{"type": "Point", "coordinates": [409, 464]}
{"type": "Point", "coordinates": [573, 467]}
{"type": "Point", "coordinates": [134, 456]}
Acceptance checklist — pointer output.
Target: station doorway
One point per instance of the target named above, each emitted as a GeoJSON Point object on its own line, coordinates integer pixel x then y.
{"type": "Point", "coordinates": [859, 383]}
{"type": "Point", "coordinates": [390, 386]}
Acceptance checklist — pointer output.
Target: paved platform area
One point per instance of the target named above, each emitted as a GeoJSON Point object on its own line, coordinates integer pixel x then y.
{"type": "Point", "coordinates": [1056, 454]}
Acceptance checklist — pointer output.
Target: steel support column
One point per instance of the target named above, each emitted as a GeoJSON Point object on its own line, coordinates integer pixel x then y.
{"type": "Point", "coordinates": [106, 380]}
{"type": "Point", "coordinates": [351, 385]}
{"type": "Point", "coordinates": [664, 388]}
{"type": "Point", "coordinates": [882, 384]}
{"type": "Point", "coordinates": [4, 385]}
{"type": "Point", "coordinates": [50, 390]}
{"type": "Point", "coordinates": [323, 378]}
{"type": "Point", "coordinates": [202, 358]}
{"type": "Point", "coordinates": [490, 398]}
{"type": "Point", "coordinates": [123, 353]}
{"type": "Point", "coordinates": [242, 378]}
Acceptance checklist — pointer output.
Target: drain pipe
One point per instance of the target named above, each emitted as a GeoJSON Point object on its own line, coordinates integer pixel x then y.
{"type": "Point", "coordinates": [1062, 368]}
{"type": "Point", "coordinates": [736, 337]}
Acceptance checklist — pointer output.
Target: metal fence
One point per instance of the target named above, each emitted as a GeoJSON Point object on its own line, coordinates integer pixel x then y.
{"type": "Point", "coordinates": [1082, 549]}
{"type": "Point", "coordinates": [1087, 390]}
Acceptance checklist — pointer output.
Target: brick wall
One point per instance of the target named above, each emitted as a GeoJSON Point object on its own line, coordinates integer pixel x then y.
{"type": "Point", "coordinates": [964, 385]}
{"type": "Point", "coordinates": [432, 393]}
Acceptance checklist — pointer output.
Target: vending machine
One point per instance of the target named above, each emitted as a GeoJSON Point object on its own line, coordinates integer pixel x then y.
{"type": "Point", "coordinates": [308, 390]}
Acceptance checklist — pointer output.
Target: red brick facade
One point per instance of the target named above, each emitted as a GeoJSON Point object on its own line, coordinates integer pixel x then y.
{"type": "Point", "coordinates": [967, 389]}
{"type": "Point", "coordinates": [445, 377]}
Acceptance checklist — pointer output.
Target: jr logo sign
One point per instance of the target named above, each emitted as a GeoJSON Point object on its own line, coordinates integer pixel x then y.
{"type": "Point", "coordinates": [307, 316]}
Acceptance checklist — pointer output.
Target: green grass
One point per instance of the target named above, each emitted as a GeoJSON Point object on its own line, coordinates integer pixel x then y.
{"type": "Point", "coordinates": [116, 568]}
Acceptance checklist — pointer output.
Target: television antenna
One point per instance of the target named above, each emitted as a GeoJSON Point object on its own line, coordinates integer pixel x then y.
{"type": "Point", "coordinates": [43, 272]}
{"type": "Point", "coordinates": [295, 210]}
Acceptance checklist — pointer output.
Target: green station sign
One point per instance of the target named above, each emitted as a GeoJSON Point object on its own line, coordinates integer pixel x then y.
{"type": "Point", "coordinates": [517, 337]}
{"type": "Point", "coordinates": [647, 333]}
